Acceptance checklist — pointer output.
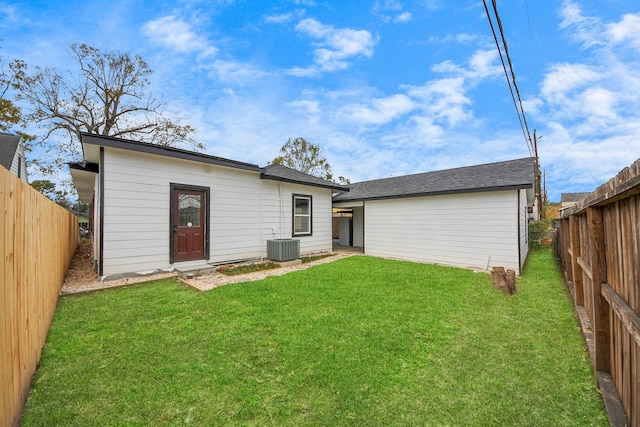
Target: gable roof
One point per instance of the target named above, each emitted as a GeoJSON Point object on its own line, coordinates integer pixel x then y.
{"type": "Point", "coordinates": [8, 146]}
{"type": "Point", "coordinates": [91, 143]}
{"type": "Point", "coordinates": [283, 173]}
{"type": "Point", "coordinates": [159, 150]}
{"type": "Point", "coordinates": [513, 174]}
{"type": "Point", "coordinates": [572, 197]}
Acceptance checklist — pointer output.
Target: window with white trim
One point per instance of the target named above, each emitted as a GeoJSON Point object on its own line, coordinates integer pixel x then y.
{"type": "Point", "coordinates": [302, 218]}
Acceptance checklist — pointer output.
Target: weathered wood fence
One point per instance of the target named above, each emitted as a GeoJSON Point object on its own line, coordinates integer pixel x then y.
{"type": "Point", "coordinates": [599, 247]}
{"type": "Point", "coordinates": [37, 242]}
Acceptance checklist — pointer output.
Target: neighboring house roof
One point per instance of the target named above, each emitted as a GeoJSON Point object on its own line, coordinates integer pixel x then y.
{"type": "Point", "coordinates": [8, 146]}
{"type": "Point", "coordinates": [513, 174]}
{"type": "Point", "coordinates": [572, 197]}
{"type": "Point", "coordinates": [286, 174]}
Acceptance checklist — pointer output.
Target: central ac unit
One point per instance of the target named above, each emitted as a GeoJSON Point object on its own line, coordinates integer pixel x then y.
{"type": "Point", "coordinates": [283, 249]}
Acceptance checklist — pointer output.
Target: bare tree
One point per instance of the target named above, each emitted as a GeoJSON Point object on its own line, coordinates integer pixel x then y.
{"type": "Point", "coordinates": [110, 98]}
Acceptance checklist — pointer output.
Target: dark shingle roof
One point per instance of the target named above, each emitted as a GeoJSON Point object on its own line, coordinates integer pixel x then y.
{"type": "Point", "coordinates": [488, 177]}
{"type": "Point", "coordinates": [8, 146]}
{"type": "Point", "coordinates": [160, 150]}
{"type": "Point", "coordinates": [572, 197]}
{"type": "Point", "coordinates": [273, 172]}
{"type": "Point", "coordinates": [283, 173]}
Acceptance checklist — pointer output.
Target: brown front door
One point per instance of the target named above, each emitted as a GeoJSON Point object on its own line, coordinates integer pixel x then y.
{"type": "Point", "coordinates": [189, 226]}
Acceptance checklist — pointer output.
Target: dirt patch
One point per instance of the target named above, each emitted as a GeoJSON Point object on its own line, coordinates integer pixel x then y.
{"type": "Point", "coordinates": [81, 271]}
{"type": "Point", "coordinates": [82, 276]}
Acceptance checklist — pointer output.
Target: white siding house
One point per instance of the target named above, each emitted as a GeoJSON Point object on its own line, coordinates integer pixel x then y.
{"type": "Point", "coordinates": [12, 155]}
{"type": "Point", "coordinates": [158, 208]}
{"type": "Point", "coordinates": [473, 217]}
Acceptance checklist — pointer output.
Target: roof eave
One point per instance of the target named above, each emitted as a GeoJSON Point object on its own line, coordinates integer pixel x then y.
{"type": "Point", "coordinates": [336, 187]}
{"type": "Point", "coordinates": [172, 152]}
{"type": "Point", "coordinates": [437, 193]}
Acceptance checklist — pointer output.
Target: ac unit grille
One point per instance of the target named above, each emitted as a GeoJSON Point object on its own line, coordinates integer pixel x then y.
{"type": "Point", "coordinates": [283, 249]}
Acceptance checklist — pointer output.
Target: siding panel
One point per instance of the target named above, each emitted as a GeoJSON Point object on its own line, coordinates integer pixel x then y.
{"type": "Point", "coordinates": [137, 204]}
{"type": "Point", "coordinates": [472, 230]}
{"type": "Point", "coordinates": [277, 215]}
{"type": "Point", "coordinates": [245, 211]}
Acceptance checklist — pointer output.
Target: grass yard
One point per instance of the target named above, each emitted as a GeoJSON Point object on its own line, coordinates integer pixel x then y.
{"type": "Point", "coordinates": [359, 341]}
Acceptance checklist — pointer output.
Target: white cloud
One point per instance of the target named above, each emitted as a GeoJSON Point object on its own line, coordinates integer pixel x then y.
{"type": "Point", "coordinates": [285, 17]}
{"type": "Point", "coordinates": [303, 71]}
{"type": "Point", "coordinates": [592, 123]}
{"type": "Point", "coordinates": [586, 30]}
{"type": "Point", "coordinates": [310, 107]}
{"type": "Point", "coordinates": [627, 30]}
{"type": "Point", "coordinates": [461, 38]}
{"type": "Point", "coordinates": [9, 15]}
{"type": "Point", "coordinates": [391, 11]}
{"type": "Point", "coordinates": [599, 102]}
{"type": "Point", "coordinates": [482, 64]}
{"type": "Point", "coordinates": [444, 100]}
{"type": "Point", "coordinates": [403, 17]}
{"type": "Point", "coordinates": [334, 46]}
{"type": "Point", "coordinates": [235, 72]}
{"type": "Point", "coordinates": [564, 78]}
{"type": "Point", "coordinates": [378, 111]}
{"type": "Point", "coordinates": [177, 34]}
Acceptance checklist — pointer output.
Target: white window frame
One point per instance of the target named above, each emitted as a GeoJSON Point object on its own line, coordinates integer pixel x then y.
{"type": "Point", "coordinates": [295, 215]}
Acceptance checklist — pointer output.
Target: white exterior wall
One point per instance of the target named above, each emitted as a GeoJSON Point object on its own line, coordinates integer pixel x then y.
{"type": "Point", "coordinates": [137, 205]}
{"type": "Point", "coordinates": [476, 230]}
{"type": "Point", "coordinates": [245, 211]}
{"type": "Point", "coordinates": [524, 227]}
{"type": "Point", "coordinates": [358, 227]}
{"type": "Point", "coordinates": [19, 164]}
{"type": "Point", "coordinates": [96, 219]}
{"type": "Point", "coordinates": [277, 215]}
{"type": "Point", "coordinates": [343, 231]}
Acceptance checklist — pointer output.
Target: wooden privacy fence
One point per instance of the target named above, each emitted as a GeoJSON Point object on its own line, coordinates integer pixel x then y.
{"type": "Point", "coordinates": [37, 242]}
{"type": "Point", "coordinates": [599, 249]}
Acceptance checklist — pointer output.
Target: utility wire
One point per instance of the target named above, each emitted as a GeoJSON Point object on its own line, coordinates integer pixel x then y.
{"type": "Point", "coordinates": [513, 75]}
{"type": "Point", "coordinates": [511, 81]}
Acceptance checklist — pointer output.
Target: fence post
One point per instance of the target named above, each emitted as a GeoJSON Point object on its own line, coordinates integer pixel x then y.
{"type": "Point", "coordinates": [601, 327]}
{"type": "Point", "coordinates": [576, 272]}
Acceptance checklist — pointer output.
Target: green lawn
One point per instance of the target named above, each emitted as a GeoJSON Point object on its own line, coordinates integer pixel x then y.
{"type": "Point", "coordinates": [359, 341]}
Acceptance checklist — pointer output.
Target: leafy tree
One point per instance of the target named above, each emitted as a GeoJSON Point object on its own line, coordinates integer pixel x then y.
{"type": "Point", "coordinates": [49, 189]}
{"type": "Point", "coordinates": [11, 76]}
{"type": "Point", "coordinates": [344, 181]}
{"type": "Point", "coordinates": [303, 156]}
{"type": "Point", "coordinates": [109, 96]}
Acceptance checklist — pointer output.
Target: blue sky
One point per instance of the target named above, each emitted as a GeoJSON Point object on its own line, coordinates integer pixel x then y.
{"type": "Point", "coordinates": [385, 87]}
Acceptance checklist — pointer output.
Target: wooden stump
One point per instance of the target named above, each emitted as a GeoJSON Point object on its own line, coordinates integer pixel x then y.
{"type": "Point", "coordinates": [504, 280]}
{"type": "Point", "coordinates": [511, 281]}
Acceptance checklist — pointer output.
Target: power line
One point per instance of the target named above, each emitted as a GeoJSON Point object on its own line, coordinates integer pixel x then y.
{"type": "Point", "coordinates": [511, 81]}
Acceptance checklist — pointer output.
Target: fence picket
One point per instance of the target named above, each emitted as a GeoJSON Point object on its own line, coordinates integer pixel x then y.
{"type": "Point", "coordinates": [601, 247]}
{"type": "Point", "coordinates": [38, 241]}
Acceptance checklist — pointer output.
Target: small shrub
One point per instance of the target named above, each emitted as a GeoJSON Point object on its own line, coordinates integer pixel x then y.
{"type": "Point", "coordinates": [244, 269]}
{"type": "Point", "coordinates": [540, 231]}
{"type": "Point", "coordinates": [306, 259]}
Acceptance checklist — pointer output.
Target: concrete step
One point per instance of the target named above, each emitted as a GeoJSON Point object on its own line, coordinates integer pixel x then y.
{"type": "Point", "coordinates": [194, 270]}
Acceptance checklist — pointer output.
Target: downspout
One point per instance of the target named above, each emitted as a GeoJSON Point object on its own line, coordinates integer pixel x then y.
{"type": "Point", "coordinates": [281, 210]}
{"type": "Point", "coordinates": [519, 234]}
{"type": "Point", "coordinates": [101, 214]}
{"type": "Point", "coordinates": [261, 223]}
{"type": "Point", "coordinates": [364, 231]}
